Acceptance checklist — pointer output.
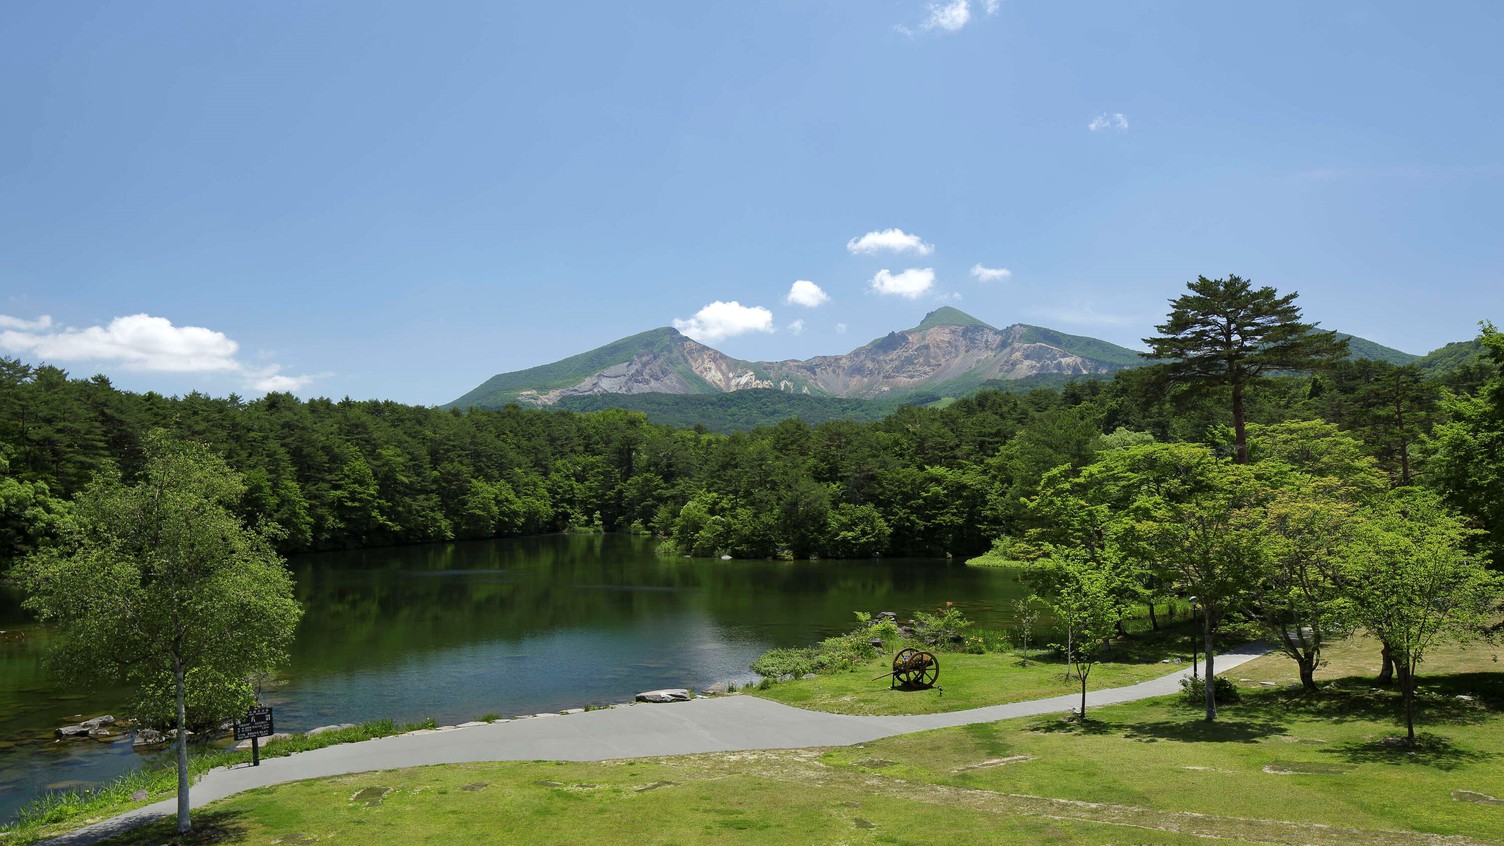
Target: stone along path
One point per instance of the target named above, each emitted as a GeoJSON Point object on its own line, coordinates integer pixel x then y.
{"type": "Point", "coordinates": [723, 724]}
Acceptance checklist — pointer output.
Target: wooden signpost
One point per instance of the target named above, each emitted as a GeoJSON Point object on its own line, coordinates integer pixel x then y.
{"type": "Point", "coordinates": [256, 725]}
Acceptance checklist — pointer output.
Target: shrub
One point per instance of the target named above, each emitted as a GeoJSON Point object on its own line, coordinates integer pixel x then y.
{"type": "Point", "coordinates": [945, 628]}
{"type": "Point", "coordinates": [1194, 691]}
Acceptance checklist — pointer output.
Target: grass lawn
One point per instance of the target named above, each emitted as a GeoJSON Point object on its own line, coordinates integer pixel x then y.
{"type": "Point", "coordinates": [973, 681]}
{"type": "Point", "coordinates": [1282, 767]}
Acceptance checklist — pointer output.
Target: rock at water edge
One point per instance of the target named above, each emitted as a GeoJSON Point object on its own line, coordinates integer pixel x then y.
{"type": "Point", "coordinates": [675, 694]}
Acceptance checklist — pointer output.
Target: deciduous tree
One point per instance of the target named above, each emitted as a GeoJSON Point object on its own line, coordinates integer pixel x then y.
{"type": "Point", "coordinates": [160, 586]}
{"type": "Point", "coordinates": [1412, 583]}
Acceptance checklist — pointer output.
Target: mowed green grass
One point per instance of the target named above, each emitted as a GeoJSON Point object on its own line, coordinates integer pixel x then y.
{"type": "Point", "coordinates": [772, 800]}
{"type": "Point", "coordinates": [1281, 767]}
{"type": "Point", "coordinates": [973, 681]}
{"type": "Point", "coordinates": [966, 681]}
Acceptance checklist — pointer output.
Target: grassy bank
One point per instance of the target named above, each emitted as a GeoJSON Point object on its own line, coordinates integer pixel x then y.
{"type": "Point", "coordinates": [1281, 768]}
{"type": "Point", "coordinates": [966, 681]}
{"type": "Point", "coordinates": [65, 810]}
{"type": "Point", "coordinates": [847, 680]}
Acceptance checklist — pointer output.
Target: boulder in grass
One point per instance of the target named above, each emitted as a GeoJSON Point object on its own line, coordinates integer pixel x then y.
{"type": "Point", "coordinates": [674, 694]}
{"type": "Point", "coordinates": [324, 729]}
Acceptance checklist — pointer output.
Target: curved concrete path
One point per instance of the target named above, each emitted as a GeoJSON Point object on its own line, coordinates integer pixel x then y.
{"type": "Point", "coordinates": [723, 724]}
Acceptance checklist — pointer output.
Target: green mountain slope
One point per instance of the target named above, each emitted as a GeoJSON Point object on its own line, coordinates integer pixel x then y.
{"type": "Point", "coordinates": [947, 316]}
{"type": "Point", "coordinates": [504, 387]}
{"type": "Point", "coordinates": [1453, 356]}
{"type": "Point", "coordinates": [1092, 348]}
{"type": "Point", "coordinates": [1366, 349]}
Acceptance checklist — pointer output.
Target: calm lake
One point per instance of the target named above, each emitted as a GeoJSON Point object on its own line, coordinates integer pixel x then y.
{"type": "Point", "coordinates": [454, 631]}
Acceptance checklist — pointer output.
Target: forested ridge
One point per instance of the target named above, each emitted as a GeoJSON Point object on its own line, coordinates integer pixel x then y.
{"type": "Point", "coordinates": [920, 481]}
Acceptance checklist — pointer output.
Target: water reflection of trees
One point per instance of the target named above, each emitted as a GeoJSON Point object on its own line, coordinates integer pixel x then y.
{"type": "Point", "coordinates": [367, 607]}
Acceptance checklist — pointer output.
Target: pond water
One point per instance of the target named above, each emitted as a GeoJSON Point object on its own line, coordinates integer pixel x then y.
{"type": "Point", "coordinates": [454, 631]}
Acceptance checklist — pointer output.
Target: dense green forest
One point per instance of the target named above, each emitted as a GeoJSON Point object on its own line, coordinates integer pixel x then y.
{"type": "Point", "coordinates": [918, 481]}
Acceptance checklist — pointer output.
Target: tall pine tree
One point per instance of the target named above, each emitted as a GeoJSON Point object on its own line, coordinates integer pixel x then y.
{"type": "Point", "coordinates": [1226, 333]}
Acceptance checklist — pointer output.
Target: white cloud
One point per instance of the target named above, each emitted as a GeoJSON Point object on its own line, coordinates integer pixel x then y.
{"type": "Point", "coordinates": [796, 327]}
{"type": "Point", "coordinates": [140, 342]}
{"type": "Point", "coordinates": [8, 322]}
{"type": "Point", "coordinates": [982, 273]}
{"type": "Point", "coordinates": [948, 17]}
{"type": "Point", "coordinates": [806, 293]}
{"type": "Point", "coordinates": [1116, 121]}
{"type": "Point", "coordinates": [269, 379]}
{"type": "Point", "coordinates": [991, 6]}
{"type": "Point", "coordinates": [911, 283]}
{"type": "Point", "coordinates": [840, 328]}
{"type": "Point", "coordinates": [892, 240]}
{"type": "Point", "coordinates": [137, 341]}
{"type": "Point", "coordinates": [723, 320]}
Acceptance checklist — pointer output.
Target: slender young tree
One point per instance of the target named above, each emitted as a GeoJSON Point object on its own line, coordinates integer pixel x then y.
{"type": "Point", "coordinates": [1226, 333]}
{"type": "Point", "coordinates": [189, 601]}
{"type": "Point", "coordinates": [1081, 593]}
{"type": "Point", "coordinates": [1413, 585]}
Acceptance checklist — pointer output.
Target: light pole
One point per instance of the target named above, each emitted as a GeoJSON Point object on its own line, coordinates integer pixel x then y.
{"type": "Point", "coordinates": [1194, 653]}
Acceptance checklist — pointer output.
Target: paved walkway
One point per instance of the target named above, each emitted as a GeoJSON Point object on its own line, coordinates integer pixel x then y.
{"type": "Point", "coordinates": [723, 724]}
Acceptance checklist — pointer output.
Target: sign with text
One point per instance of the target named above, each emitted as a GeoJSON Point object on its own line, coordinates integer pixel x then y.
{"type": "Point", "coordinates": [257, 723]}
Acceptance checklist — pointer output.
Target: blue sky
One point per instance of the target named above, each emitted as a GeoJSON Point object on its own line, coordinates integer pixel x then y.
{"type": "Point", "coordinates": [399, 200]}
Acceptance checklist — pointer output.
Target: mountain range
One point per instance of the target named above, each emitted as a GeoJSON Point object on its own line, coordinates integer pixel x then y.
{"type": "Point", "coordinates": [947, 354]}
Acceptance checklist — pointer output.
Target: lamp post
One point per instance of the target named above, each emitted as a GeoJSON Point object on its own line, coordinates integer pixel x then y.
{"type": "Point", "coordinates": [1194, 668]}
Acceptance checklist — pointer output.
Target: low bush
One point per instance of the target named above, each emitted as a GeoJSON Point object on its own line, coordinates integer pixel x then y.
{"type": "Point", "coordinates": [944, 629]}
{"type": "Point", "coordinates": [1193, 691]}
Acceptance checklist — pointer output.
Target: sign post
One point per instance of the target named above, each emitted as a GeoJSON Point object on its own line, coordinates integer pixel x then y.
{"type": "Point", "coordinates": [257, 724]}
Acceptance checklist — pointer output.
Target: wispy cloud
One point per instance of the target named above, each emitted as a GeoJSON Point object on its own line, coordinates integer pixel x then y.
{"type": "Point", "coordinates": [840, 328]}
{"type": "Point", "coordinates": [8, 322]}
{"type": "Point", "coordinates": [948, 17]}
{"type": "Point", "coordinates": [982, 273]}
{"type": "Point", "coordinates": [796, 327]}
{"type": "Point", "coordinates": [1116, 121]}
{"type": "Point", "coordinates": [143, 343]}
{"type": "Point", "coordinates": [910, 284]}
{"type": "Point", "coordinates": [889, 240]}
{"type": "Point", "coordinates": [991, 6]}
{"type": "Point", "coordinates": [806, 293]}
{"type": "Point", "coordinates": [724, 320]}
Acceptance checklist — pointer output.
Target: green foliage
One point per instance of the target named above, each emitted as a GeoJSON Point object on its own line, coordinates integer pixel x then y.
{"type": "Point", "coordinates": [190, 603]}
{"type": "Point", "coordinates": [856, 531]}
{"type": "Point", "coordinates": [1412, 584]}
{"type": "Point", "coordinates": [1193, 691]}
{"type": "Point", "coordinates": [734, 411]}
{"type": "Point", "coordinates": [945, 628]}
{"type": "Point", "coordinates": [1225, 333]}
{"type": "Point", "coordinates": [1468, 467]}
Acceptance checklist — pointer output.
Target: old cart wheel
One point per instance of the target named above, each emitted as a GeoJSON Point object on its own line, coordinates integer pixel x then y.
{"type": "Point", "coordinates": [929, 673]}
{"type": "Point", "coordinates": [913, 668]}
